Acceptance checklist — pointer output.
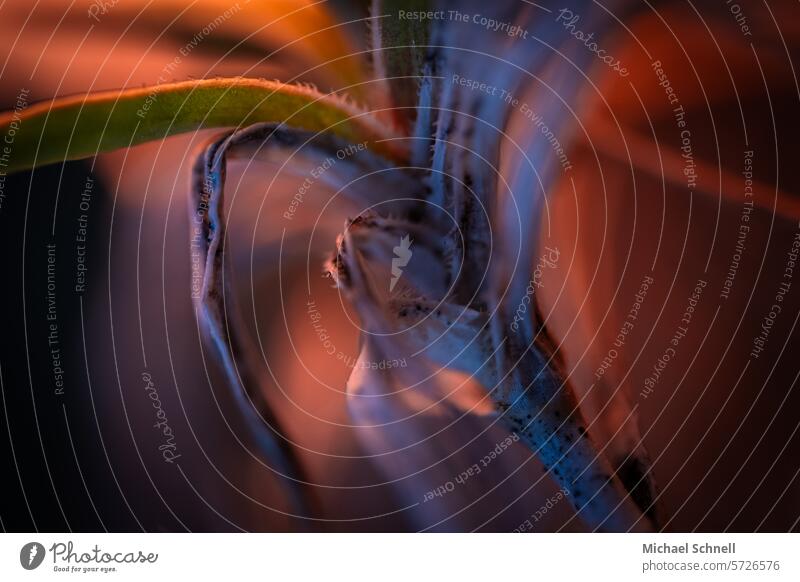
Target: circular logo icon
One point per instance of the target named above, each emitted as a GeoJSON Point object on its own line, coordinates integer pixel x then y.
{"type": "Point", "coordinates": [31, 555]}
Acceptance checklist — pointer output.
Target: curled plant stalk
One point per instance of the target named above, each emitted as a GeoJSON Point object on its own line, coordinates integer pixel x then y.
{"type": "Point", "coordinates": [219, 317]}
{"type": "Point", "coordinates": [217, 311]}
{"type": "Point", "coordinates": [465, 219]}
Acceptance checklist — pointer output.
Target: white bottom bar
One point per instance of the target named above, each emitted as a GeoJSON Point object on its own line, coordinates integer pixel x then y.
{"type": "Point", "coordinates": [401, 557]}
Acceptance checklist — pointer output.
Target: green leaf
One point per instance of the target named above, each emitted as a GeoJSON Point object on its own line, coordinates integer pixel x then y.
{"type": "Point", "coordinates": [76, 127]}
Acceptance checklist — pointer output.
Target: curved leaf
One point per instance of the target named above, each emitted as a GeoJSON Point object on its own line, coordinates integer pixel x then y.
{"type": "Point", "coordinates": [82, 126]}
